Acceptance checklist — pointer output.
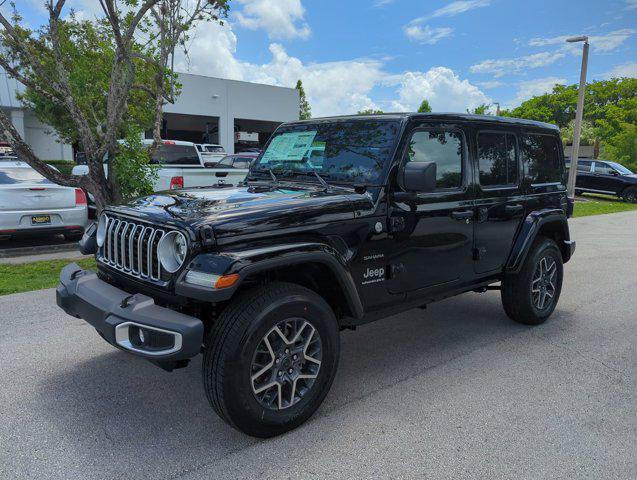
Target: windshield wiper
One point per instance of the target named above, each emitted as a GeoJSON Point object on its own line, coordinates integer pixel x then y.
{"type": "Point", "coordinates": [267, 170]}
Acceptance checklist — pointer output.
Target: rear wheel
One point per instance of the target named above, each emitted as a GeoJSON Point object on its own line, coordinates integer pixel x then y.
{"type": "Point", "coordinates": [630, 195]}
{"type": "Point", "coordinates": [531, 295]}
{"type": "Point", "coordinates": [271, 358]}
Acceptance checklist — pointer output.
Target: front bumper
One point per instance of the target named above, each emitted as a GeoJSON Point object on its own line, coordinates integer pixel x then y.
{"type": "Point", "coordinates": [167, 336]}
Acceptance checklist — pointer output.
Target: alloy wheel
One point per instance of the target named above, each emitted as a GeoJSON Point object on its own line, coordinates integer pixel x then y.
{"type": "Point", "coordinates": [543, 287]}
{"type": "Point", "coordinates": [286, 364]}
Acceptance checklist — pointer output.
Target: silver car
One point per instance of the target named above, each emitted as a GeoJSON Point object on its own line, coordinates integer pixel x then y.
{"type": "Point", "coordinates": [31, 204]}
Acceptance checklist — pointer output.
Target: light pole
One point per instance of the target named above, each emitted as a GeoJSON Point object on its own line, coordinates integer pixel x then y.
{"type": "Point", "coordinates": [577, 128]}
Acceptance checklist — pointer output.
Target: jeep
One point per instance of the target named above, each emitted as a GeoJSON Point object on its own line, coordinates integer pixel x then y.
{"type": "Point", "coordinates": [340, 221]}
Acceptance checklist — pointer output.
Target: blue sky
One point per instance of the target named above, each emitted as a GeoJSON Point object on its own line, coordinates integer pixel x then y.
{"type": "Point", "coordinates": [390, 54]}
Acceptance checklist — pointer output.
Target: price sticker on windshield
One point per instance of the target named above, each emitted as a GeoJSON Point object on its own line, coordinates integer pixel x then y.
{"type": "Point", "coordinates": [289, 147]}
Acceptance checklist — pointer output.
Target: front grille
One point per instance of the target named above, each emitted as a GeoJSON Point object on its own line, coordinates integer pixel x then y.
{"type": "Point", "coordinates": [131, 247]}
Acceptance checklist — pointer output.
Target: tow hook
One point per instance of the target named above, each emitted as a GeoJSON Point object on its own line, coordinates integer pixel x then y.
{"type": "Point", "coordinates": [127, 301]}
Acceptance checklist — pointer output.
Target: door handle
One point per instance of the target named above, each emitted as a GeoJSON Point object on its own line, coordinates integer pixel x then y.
{"type": "Point", "coordinates": [462, 214]}
{"type": "Point", "coordinates": [513, 209]}
{"type": "Point", "coordinates": [221, 174]}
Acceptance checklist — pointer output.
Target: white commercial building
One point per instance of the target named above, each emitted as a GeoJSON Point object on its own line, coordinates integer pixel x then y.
{"type": "Point", "coordinates": [209, 110]}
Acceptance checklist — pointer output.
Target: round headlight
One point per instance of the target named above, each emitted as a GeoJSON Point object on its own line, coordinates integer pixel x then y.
{"type": "Point", "coordinates": [101, 230]}
{"type": "Point", "coordinates": [172, 250]}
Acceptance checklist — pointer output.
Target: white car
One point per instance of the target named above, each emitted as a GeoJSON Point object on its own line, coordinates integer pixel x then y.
{"type": "Point", "coordinates": [31, 204]}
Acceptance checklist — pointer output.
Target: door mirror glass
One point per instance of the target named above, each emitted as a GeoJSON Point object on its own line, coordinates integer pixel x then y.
{"type": "Point", "coordinates": [418, 177]}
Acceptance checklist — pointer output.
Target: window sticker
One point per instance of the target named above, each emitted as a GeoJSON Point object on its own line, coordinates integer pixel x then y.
{"type": "Point", "coordinates": [290, 146]}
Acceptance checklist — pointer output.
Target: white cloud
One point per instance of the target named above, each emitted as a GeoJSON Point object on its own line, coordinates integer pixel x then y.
{"type": "Point", "coordinates": [599, 43]}
{"type": "Point", "coordinates": [444, 90]}
{"type": "Point", "coordinates": [491, 84]}
{"type": "Point", "coordinates": [458, 7]}
{"type": "Point", "coordinates": [382, 3]}
{"type": "Point", "coordinates": [628, 69]}
{"type": "Point", "coordinates": [282, 19]}
{"type": "Point", "coordinates": [426, 34]}
{"type": "Point", "coordinates": [533, 88]}
{"type": "Point", "coordinates": [504, 66]}
{"type": "Point", "coordinates": [631, 4]}
{"type": "Point", "coordinates": [332, 87]}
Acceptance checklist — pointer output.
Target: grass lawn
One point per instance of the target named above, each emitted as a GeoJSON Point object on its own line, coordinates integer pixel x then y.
{"type": "Point", "coordinates": [600, 204]}
{"type": "Point", "coordinates": [24, 277]}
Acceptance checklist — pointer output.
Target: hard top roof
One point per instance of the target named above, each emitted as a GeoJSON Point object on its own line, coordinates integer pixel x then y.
{"type": "Point", "coordinates": [449, 117]}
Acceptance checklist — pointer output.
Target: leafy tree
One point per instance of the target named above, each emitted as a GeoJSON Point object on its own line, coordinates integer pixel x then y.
{"type": "Point", "coordinates": [424, 107]}
{"type": "Point", "coordinates": [134, 173]}
{"type": "Point", "coordinates": [480, 109]}
{"type": "Point", "coordinates": [305, 111]}
{"type": "Point", "coordinates": [610, 114]}
{"type": "Point", "coordinates": [370, 111]}
{"type": "Point", "coordinates": [93, 80]}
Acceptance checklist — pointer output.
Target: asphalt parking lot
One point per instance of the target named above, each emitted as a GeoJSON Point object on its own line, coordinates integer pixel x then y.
{"type": "Point", "coordinates": [455, 391]}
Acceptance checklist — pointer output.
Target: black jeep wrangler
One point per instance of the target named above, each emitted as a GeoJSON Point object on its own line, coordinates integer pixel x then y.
{"type": "Point", "coordinates": [339, 222]}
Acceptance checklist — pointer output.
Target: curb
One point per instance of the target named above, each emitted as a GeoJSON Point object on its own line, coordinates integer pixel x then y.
{"type": "Point", "coordinates": [38, 250]}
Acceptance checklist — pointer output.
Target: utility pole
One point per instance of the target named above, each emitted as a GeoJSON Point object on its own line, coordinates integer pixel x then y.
{"type": "Point", "coordinates": [497, 110]}
{"type": "Point", "coordinates": [577, 128]}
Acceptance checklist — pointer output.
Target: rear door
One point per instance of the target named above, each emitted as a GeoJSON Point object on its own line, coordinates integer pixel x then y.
{"type": "Point", "coordinates": [584, 174]}
{"type": "Point", "coordinates": [500, 206]}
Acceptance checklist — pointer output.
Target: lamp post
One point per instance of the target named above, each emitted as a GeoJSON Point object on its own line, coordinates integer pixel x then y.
{"type": "Point", "coordinates": [577, 128]}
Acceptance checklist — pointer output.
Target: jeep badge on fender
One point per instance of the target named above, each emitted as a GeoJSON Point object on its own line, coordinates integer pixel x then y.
{"type": "Point", "coordinates": [340, 221]}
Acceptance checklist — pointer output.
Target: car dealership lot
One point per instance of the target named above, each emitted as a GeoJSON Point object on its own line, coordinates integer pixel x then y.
{"type": "Point", "coordinates": [456, 390]}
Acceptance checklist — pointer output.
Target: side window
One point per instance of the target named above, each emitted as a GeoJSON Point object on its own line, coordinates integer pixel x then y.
{"type": "Point", "coordinates": [541, 158]}
{"type": "Point", "coordinates": [603, 169]}
{"type": "Point", "coordinates": [226, 162]}
{"type": "Point", "coordinates": [442, 147]}
{"type": "Point", "coordinates": [497, 159]}
{"type": "Point", "coordinates": [242, 162]}
{"type": "Point", "coordinates": [584, 167]}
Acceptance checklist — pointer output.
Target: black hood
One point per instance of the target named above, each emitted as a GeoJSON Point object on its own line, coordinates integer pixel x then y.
{"type": "Point", "coordinates": [237, 210]}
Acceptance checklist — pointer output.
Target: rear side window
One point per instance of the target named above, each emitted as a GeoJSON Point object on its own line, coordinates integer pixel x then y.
{"type": "Point", "coordinates": [168, 154]}
{"type": "Point", "coordinates": [444, 149]}
{"type": "Point", "coordinates": [541, 158]}
{"type": "Point", "coordinates": [497, 159]}
{"type": "Point", "coordinates": [12, 176]}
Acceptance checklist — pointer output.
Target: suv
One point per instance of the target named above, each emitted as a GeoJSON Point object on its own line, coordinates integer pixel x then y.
{"type": "Point", "coordinates": [396, 211]}
{"type": "Point", "coordinates": [601, 176]}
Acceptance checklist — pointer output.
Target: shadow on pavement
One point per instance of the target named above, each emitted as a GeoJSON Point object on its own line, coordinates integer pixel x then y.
{"type": "Point", "coordinates": [118, 406]}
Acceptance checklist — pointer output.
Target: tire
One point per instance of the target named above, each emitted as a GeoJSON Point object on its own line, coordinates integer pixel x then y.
{"type": "Point", "coordinates": [629, 195]}
{"type": "Point", "coordinates": [245, 340]}
{"type": "Point", "coordinates": [73, 237]}
{"type": "Point", "coordinates": [520, 298]}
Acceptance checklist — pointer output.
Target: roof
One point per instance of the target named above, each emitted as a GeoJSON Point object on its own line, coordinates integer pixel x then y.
{"type": "Point", "coordinates": [439, 116]}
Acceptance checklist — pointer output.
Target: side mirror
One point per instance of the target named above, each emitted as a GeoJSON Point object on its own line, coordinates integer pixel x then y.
{"type": "Point", "coordinates": [209, 164]}
{"type": "Point", "coordinates": [418, 177]}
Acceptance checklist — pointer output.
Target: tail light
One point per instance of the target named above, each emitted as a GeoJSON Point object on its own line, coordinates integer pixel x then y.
{"type": "Point", "coordinates": [176, 182]}
{"type": "Point", "coordinates": [80, 197]}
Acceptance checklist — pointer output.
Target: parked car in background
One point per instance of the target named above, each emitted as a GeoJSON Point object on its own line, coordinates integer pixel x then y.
{"type": "Point", "coordinates": [232, 169]}
{"type": "Point", "coordinates": [33, 205]}
{"type": "Point", "coordinates": [210, 152]}
{"type": "Point", "coordinates": [603, 176]}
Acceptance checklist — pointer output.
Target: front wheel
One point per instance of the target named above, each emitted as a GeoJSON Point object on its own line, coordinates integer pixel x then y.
{"type": "Point", "coordinates": [630, 195]}
{"type": "Point", "coordinates": [531, 295]}
{"type": "Point", "coordinates": [270, 359]}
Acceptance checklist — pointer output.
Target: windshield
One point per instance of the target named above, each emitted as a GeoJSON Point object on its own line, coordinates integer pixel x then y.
{"type": "Point", "coordinates": [342, 151]}
{"type": "Point", "coordinates": [620, 168]}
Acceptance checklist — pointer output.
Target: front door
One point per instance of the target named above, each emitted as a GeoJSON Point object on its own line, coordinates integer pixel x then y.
{"type": "Point", "coordinates": [606, 178]}
{"type": "Point", "coordinates": [500, 204]}
{"type": "Point", "coordinates": [432, 233]}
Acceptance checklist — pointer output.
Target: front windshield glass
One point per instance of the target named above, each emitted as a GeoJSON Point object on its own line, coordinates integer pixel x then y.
{"type": "Point", "coordinates": [620, 168]}
{"type": "Point", "coordinates": [353, 151]}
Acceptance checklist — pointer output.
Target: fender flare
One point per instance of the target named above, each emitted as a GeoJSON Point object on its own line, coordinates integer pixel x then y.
{"type": "Point", "coordinates": [530, 229]}
{"type": "Point", "coordinates": [254, 261]}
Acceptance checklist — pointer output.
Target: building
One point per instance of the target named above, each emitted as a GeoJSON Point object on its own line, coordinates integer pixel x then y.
{"type": "Point", "coordinates": [209, 110]}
